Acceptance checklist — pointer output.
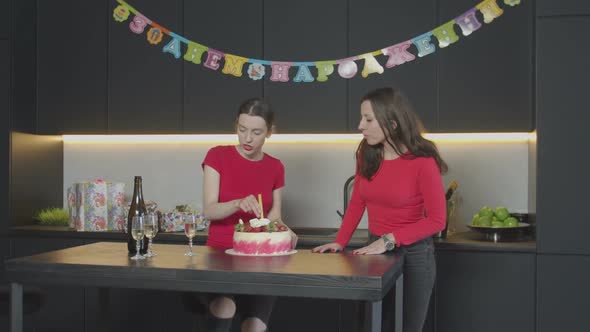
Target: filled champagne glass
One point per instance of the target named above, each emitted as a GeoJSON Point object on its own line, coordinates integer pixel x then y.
{"type": "Point", "coordinates": [190, 230]}
{"type": "Point", "coordinates": [150, 227]}
{"type": "Point", "coordinates": [137, 232]}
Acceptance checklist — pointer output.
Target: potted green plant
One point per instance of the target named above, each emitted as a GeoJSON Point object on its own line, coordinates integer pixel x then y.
{"type": "Point", "coordinates": [53, 217]}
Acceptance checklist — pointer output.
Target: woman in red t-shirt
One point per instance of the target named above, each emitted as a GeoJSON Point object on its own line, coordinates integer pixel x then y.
{"type": "Point", "coordinates": [233, 177]}
{"type": "Point", "coordinates": [398, 181]}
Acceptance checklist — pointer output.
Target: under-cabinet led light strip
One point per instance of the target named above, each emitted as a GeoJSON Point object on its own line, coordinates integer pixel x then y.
{"type": "Point", "coordinates": [288, 138]}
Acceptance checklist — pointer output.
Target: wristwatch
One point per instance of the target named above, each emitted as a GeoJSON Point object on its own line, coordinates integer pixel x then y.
{"type": "Point", "coordinates": [389, 245]}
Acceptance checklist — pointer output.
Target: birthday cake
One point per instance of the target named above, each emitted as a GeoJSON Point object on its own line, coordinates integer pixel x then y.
{"type": "Point", "coordinates": [261, 237]}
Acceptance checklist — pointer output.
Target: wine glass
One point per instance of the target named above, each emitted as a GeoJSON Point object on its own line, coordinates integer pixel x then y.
{"type": "Point", "coordinates": [150, 227]}
{"type": "Point", "coordinates": [137, 232]}
{"type": "Point", "coordinates": [190, 230]}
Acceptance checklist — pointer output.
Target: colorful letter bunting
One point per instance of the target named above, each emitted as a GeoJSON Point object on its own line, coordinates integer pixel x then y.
{"type": "Point", "coordinates": [279, 71]}
{"type": "Point", "coordinates": [398, 54]}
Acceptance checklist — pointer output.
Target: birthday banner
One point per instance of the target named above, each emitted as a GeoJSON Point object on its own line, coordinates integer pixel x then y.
{"type": "Point", "coordinates": [232, 64]}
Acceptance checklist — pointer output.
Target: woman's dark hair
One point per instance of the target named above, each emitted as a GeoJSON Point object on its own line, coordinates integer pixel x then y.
{"type": "Point", "coordinates": [258, 107]}
{"type": "Point", "coordinates": [402, 128]}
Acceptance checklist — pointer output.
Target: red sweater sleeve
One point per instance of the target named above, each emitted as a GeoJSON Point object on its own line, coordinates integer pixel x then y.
{"type": "Point", "coordinates": [431, 186]}
{"type": "Point", "coordinates": [352, 215]}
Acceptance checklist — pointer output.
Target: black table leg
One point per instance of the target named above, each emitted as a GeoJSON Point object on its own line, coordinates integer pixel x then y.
{"type": "Point", "coordinates": [16, 307]}
{"type": "Point", "coordinates": [376, 311]}
{"type": "Point", "coordinates": [399, 303]}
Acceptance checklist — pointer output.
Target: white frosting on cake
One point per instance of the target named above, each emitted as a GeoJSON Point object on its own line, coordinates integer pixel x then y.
{"type": "Point", "coordinates": [255, 222]}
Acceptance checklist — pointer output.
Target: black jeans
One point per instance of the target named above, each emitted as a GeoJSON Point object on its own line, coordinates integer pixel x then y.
{"type": "Point", "coordinates": [419, 274]}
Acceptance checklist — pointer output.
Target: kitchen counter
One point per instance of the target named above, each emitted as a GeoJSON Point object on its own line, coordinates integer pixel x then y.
{"type": "Point", "coordinates": [308, 237]}
{"type": "Point", "coordinates": [474, 242]}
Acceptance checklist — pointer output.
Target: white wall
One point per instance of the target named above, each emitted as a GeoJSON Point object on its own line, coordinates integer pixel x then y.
{"type": "Point", "coordinates": [488, 174]}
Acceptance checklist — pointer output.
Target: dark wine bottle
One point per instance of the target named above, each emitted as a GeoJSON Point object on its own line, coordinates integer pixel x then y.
{"type": "Point", "coordinates": [137, 208]}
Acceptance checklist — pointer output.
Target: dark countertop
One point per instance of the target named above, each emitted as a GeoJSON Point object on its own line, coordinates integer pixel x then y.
{"type": "Point", "coordinates": [472, 241]}
{"type": "Point", "coordinates": [305, 240]}
{"type": "Point", "coordinates": [308, 237]}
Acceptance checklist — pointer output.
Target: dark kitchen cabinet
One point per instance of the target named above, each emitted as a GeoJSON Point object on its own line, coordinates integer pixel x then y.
{"type": "Point", "coordinates": [4, 288]}
{"type": "Point", "coordinates": [117, 309]}
{"type": "Point", "coordinates": [485, 291]}
{"type": "Point", "coordinates": [562, 122]}
{"type": "Point", "coordinates": [378, 24]}
{"type": "Point", "coordinates": [320, 315]}
{"type": "Point", "coordinates": [4, 254]}
{"type": "Point", "coordinates": [76, 73]}
{"type": "Point", "coordinates": [485, 80]}
{"type": "Point", "coordinates": [563, 292]}
{"type": "Point", "coordinates": [71, 67]}
{"type": "Point", "coordinates": [4, 132]}
{"type": "Point", "coordinates": [5, 19]}
{"type": "Point", "coordinates": [145, 91]}
{"type": "Point", "coordinates": [23, 64]}
{"type": "Point", "coordinates": [293, 32]}
{"type": "Point", "coordinates": [563, 7]}
{"type": "Point", "coordinates": [212, 98]}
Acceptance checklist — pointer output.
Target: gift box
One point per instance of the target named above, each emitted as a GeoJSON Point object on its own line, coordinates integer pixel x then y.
{"type": "Point", "coordinates": [116, 208]}
{"type": "Point", "coordinates": [71, 197]}
{"type": "Point", "coordinates": [172, 221]}
{"type": "Point", "coordinates": [97, 206]}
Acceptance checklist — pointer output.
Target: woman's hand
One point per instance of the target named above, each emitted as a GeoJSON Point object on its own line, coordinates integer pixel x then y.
{"type": "Point", "coordinates": [375, 248]}
{"type": "Point", "coordinates": [249, 204]}
{"type": "Point", "coordinates": [331, 247]}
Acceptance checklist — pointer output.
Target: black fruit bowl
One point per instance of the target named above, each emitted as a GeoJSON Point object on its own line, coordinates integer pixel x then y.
{"type": "Point", "coordinates": [498, 234]}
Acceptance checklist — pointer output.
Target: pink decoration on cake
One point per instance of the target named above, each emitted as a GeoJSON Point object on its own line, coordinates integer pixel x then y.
{"type": "Point", "coordinates": [262, 245]}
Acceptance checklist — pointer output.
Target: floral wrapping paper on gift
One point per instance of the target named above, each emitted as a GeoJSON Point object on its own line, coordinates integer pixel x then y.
{"type": "Point", "coordinates": [171, 221]}
{"type": "Point", "coordinates": [97, 206]}
{"type": "Point", "coordinates": [71, 197]}
{"type": "Point", "coordinates": [116, 207]}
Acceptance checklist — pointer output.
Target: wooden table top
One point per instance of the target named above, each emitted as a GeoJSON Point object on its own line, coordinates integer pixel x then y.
{"type": "Point", "coordinates": [303, 274]}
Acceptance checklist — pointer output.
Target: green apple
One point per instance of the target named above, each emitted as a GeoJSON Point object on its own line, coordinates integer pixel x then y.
{"type": "Point", "coordinates": [501, 213]}
{"type": "Point", "coordinates": [486, 212]}
{"type": "Point", "coordinates": [497, 224]}
{"type": "Point", "coordinates": [475, 219]}
{"type": "Point", "coordinates": [511, 222]}
{"type": "Point", "coordinates": [485, 221]}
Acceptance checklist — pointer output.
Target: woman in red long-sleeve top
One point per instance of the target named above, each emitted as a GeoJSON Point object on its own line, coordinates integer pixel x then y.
{"type": "Point", "coordinates": [398, 181]}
